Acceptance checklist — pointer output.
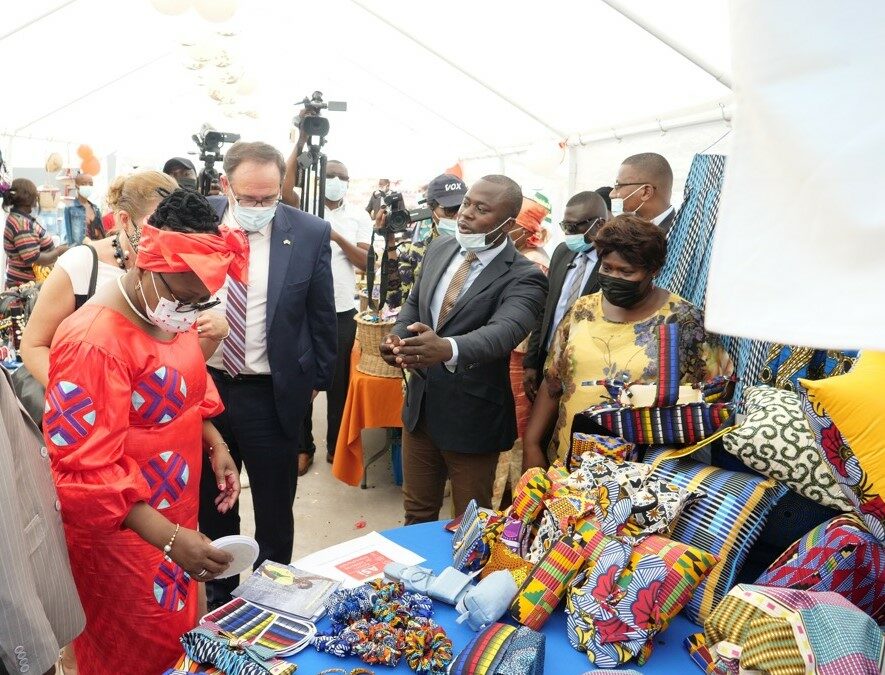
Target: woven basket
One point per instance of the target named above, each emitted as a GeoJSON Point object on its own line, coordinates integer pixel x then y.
{"type": "Point", "coordinates": [370, 334]}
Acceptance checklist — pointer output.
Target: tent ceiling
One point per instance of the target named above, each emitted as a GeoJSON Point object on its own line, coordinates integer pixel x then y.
{"type": "Point", "coordinates": [577, 66]}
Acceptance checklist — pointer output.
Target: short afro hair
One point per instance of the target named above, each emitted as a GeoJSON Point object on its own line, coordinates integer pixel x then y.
{"type": "Point", "coordinates": [512, 193]}
{"type": "Point", "coordinates": [639, 242]}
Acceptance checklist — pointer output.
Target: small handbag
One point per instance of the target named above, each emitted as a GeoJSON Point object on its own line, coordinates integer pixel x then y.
{"type": "Point", "coordinates": [472, 542]}
{"type": "Point", "coordinates": [661, 414]}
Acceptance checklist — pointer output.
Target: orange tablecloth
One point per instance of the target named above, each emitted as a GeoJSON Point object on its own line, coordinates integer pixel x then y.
{"type": "Point", "coordinates": [372, 402]}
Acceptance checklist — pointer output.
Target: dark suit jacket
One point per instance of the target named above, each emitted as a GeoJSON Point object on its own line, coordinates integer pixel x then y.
{"type": "Point", "coordinates": [560, 263]}
{"type": "Point", "coordinates": [667, 222]}
{"type": "Point", "coordinates": [472, 410]}
{"type": "Point", "coordinates": [302, 326]}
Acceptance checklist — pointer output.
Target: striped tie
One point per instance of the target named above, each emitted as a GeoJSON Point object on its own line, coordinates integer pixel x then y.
{"type": "Point", "coordinates": [454, 289]}
{"type": "Point", "coordinates": [574, 290]}
{"type": "Point", "coordinates": [234, 350]}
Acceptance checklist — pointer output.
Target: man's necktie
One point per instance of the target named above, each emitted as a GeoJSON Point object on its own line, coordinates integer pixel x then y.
{"type": "Point", "coordinates": [234, 350]}
{"type": "Point", "coordinates": [455, 286]}
{"type": "Point", "coordinates": [574, 291]}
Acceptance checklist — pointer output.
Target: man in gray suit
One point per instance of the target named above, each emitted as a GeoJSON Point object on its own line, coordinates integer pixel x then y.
{"type": "Point", "coordinates": [476, 299]}
{"type": "Point", "coordinates": [39, 607]}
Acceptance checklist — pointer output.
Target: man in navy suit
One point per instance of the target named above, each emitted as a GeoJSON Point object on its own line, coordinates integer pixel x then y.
{"type": "Point", "coordinates": [279, 353]}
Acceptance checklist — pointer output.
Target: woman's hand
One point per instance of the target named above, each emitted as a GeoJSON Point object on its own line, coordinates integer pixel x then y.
{"type": "Point", "coordinates": [194, 553]}
{"type": "Point", "coordinates": [226, 478]}
{"type": "Point", "coordinates": [212, 326]}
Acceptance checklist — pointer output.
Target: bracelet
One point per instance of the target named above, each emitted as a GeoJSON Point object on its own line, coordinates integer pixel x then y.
{"type": "Point", "coordinates": [212, 447]}
{"type": "Point", "coordinates": [167, 549]}
{"type": "Point", "coordinates": [225, 336]}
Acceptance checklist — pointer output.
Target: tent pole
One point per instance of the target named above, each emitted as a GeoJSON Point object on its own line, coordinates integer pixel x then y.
{"type": "Point", "coordinates": [36, 19]}
{"type": "Point", "coordinates": [488, 87]}
{"type": "Point", "coordinates": [621, 8]}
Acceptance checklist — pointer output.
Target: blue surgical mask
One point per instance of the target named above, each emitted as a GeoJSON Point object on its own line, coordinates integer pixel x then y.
{"type": "Point", "coordinates": [447, 226]}
{"type": "Point", "coordinates": [254, 218]}
{"type": "Point", "coordinates": [477, 242]}
{"type": "Point", "coordinates": [576, 243]}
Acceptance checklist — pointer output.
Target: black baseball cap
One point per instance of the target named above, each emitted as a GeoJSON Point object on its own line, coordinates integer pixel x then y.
{"type": "Point", "coordinates": [446, 190]}
{"type": "Point", "coordinates": [178, 162]}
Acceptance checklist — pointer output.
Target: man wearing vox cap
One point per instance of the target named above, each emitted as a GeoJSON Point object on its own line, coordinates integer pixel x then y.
{"type": "Point", "coordinates": [444, 196]}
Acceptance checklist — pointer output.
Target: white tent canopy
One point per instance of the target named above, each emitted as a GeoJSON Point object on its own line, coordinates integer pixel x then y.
{"type": "Point", "coordinates": [425, 84]}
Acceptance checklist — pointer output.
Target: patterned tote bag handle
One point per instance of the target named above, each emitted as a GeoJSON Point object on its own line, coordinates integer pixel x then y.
{"type": "Point", "coordinates": [668, 365]}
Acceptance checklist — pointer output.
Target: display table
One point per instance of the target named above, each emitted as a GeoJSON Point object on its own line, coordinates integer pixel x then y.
{"type": "Point", "coordinates": [372, 402]}
{"type": "Point", "coordinates": [432, 542]}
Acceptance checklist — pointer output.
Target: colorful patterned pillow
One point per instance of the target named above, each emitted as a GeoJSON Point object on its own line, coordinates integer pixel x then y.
{"type": "Point", "coordinates": [658, 504]}
{"type": "Point", "coordinates": [611, 447]}
{"type": "Point", "coordinates": [838, 556]}
{"type": "Point", "coordinates": [777, 630]}
{"type": "Point", "coordinates": [726, 523]}
{"type": "Point", "coordinates": [528, 496]}
{"type": "Point", "coordinates": [848, 421]}
{"type": "Point", "coordinates": [776, 440]}
{"type": "Point", "coordinates": [548, 533]}
{"type": "Point", "coordinates": [785, 365]}
{"type": "Point", "coordinates": [596, 470]}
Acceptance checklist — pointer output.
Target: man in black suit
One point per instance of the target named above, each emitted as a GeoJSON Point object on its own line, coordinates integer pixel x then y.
{"type": "Point", "coordinates": [279, 352]}
{"type": "Point", "coordinates": [573, 273]}
{"type": "Point", "coordinates": [475, 300]}
{"type": "Point", "coordinates": [643, 187]}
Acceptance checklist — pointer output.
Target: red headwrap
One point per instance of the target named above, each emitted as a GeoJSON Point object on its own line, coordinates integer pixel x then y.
{"type": "Point", "coordinates": [531, 219]}
{"type": "Point", "coordinates": [210, 256]}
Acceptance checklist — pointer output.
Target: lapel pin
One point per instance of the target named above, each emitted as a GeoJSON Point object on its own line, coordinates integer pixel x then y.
{"type": "Point", "coordinates": [287, 242]}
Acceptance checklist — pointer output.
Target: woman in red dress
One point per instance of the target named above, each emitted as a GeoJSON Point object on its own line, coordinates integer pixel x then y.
{"type": "Point", "coordinates": [126, 423]}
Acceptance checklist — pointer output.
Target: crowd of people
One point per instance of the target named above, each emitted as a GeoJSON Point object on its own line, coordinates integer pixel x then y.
{"type": "Point", "coordinates": [189, 336]}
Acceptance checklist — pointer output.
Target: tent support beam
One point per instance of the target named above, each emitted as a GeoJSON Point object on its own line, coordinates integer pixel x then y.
{"type": "Point", "coordinates": [91, 92]}
{"type": "Point", "coordinates": [485, 85]}
{"type": "Point", "coordinates": [36, 19]}
{"type": "Point", "coordinates": [621, 8]}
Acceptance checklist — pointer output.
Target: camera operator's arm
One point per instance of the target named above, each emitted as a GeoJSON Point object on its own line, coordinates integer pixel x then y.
{"type": "Point", "coordinates": [394, 283]}
{"type": "Point", "coordinates": [293, 171]}
{"type": "Point", "coordinates": [357, 253]}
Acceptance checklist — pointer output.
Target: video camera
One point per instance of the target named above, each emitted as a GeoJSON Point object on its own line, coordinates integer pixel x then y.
{"type": "Point", "coordinates": [209, 142]}
{"type": "Point", "coordinates": [315, 124]}
{"type": "Point", "coordinates": [398, 216]}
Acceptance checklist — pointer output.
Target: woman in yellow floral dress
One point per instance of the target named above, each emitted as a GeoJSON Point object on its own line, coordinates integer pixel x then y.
{"type": "Point", "coordinates": [613, 335]}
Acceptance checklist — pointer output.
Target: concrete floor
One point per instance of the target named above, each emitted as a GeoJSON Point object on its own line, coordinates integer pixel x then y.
{"type": "Point", "coordinates": [326, 510]}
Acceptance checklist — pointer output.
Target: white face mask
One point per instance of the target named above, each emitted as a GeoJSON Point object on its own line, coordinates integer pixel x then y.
{"type": "Point", "coordinates": [165, 315]}
{"type": "Point", "coordinates": [618, 203]}
{"type": "Point", "coordinates": [85, 191]}
{"type": "Point", "coordinates": [447, 226]}
{"type": "Point", "coordinates": [254, 218]}
{"type": "Point", "coordinates": [477, 242]}
{"type": "Point", "coordinates": [335, 189]}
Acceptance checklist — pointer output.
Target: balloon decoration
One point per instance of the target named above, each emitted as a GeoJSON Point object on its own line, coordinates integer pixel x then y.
{"type": "Point", "coordinates": [90, 163]}
{"type": "Point", "coordinates": [171, 7]}
{"type": "Point", "coordinates": [456, 170]}
{"type": "Point", "coordinates": [543, 158]}
{"type": "Point", "coordinates": [216, 11]}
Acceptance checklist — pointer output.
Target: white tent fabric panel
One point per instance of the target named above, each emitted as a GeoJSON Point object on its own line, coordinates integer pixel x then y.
{"type": "Point", "coordinates": [798, 251]}
{"type": "Point", "coordinates": [401, 65]}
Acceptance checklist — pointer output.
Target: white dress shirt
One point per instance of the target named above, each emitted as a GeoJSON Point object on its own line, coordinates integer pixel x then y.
{"type": "Point", "coordinates": [256, 303]}
{"type": "Point", "coordinates": [483, 259]}
{"type": "Point", "coordinates": [660, 219]}
{"type": "Point", "coordinates": [357, 230]}
{"type": "Point", "coordinates": [561, 308]}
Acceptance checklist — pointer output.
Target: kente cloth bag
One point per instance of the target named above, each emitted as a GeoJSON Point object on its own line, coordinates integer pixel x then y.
{"type": "Point", "coordinates": [548, 581]}
{"type": "Point", "coordinates": [472, 541]}
{"type": "Point", "coordinates": [230, 654]}
{"type": "Point", "coordinates": [779, 630]}
{"type": "Point", "coordinates": [502, 650]}
{"type": "Point", "coordinates": [839, 556]}
{"type": "Point", "coordinates": [673, 415]}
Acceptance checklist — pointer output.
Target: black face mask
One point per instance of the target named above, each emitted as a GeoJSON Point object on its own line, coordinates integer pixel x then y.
{"type": "Point", "coordinates": [188, 184]}
{"type": "Point", "coordinates": [622, 292]}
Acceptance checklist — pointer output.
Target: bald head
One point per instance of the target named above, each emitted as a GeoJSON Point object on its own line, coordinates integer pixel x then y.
{"type": "Point", "coordinates": [589, 204]}
{"type": "Point", "coordinates": [656, 170]}
{"type": "Point", "coordinates": [645, 184]}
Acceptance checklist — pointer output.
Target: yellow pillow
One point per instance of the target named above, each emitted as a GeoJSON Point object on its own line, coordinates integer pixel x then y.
{"type": "Point", "coordinates": [855, 403]}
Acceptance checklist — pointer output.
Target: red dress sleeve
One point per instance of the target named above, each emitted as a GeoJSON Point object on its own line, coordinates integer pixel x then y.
{"type": "Point", "coordinates": [85, 424]}
{"type": "Point", "coordinates": [211, 405]}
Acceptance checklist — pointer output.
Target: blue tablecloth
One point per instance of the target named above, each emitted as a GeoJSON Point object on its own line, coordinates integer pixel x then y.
{"type": "Point", "coordinates": [432, 542]}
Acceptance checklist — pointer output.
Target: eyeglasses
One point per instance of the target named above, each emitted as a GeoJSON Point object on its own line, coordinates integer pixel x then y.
{"type": "Point", "coordinates": [580, 227]}
{"type": "Point", "coordinates": [185, 307]}
{"type": "Point", "coordinates": [617, 185]}
{"type": "Point", "coordinates": [248, 202]}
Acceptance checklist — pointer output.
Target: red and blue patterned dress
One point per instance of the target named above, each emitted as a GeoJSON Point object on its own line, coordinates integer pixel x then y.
{"type": "Point", "coordinates": [123, 423]}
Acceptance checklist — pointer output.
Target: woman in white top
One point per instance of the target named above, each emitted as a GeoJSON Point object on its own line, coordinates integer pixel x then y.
{"type": "Point", "coordinates": [131, 199]}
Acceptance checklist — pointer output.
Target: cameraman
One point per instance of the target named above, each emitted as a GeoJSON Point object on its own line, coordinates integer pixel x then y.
{"type": "Point", "coordinates": [376, 201]}
{"type": "Point", "coordinates": [444, 196]}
